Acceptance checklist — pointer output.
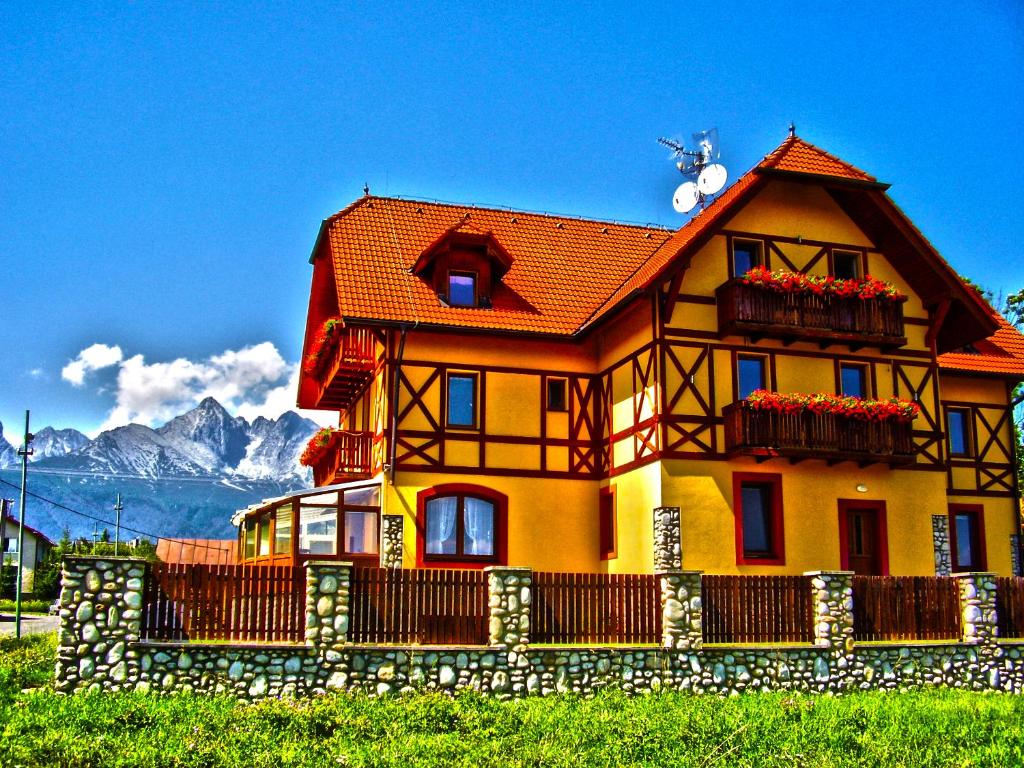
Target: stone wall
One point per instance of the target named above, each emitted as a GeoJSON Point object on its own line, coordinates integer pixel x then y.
{"type": "Point", "coordinates": [100, 647]}
{"type": "Point", "coordinates": [391, 542]}
{"type": "Point", "coordinates": [940, 543]}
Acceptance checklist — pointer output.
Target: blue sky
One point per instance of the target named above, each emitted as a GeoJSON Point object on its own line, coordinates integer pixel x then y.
{"type": "Point", "coordinates": [165, 167]}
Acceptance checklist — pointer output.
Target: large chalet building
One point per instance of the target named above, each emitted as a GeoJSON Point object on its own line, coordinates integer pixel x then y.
{"type": "Point", "coordinates": [526, 389]}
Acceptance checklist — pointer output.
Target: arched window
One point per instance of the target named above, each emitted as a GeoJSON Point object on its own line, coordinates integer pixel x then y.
{"type": "Point", "coordinates": [462, 525]}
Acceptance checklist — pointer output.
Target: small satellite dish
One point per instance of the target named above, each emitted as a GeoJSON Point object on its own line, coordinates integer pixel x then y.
{"type": "Point", "coordinates": [686, 197]}
{"type": "Point", "coordinates": [700, 164]}
{"type": "Point", "coordinates": [712, 178]}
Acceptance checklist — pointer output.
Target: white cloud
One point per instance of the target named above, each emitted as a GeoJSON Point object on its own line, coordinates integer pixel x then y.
{"type": "Point", "coordinates": [281, 399]}
{"type": "Point", "coordinates": [90, 359]}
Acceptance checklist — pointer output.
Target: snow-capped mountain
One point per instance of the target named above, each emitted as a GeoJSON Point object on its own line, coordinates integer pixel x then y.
{"type": "Point", "coordinates": [51, 442]}
{"type": "Point", "coordinates": [206, 441]}
{"type": "Point", "coordinates": [8, 455]}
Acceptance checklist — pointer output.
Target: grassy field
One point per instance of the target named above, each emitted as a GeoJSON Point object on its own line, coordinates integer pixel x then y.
{"type": "Point", "coordinates": [27, 606]}
{"type": "Point", "coordinates": [940, 728]}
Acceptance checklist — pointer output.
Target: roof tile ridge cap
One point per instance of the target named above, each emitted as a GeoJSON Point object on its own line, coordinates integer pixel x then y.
{"type": "Point", "coordinates": [349, 208]}
{"type": "Point", "coordinates": [472, 207]}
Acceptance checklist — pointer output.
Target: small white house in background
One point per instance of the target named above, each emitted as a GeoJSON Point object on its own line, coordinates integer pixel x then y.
{"type": "Point", "coordinates": [37, 547]}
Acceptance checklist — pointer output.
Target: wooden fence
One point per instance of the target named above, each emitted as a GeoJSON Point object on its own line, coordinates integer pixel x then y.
{"type": "Point", "coordinates": [197, 601]}
{"type": "Point", "coordinates": [1010, 606]}
{"type": "Point", "coordinates": [595, 608]}
{"type": "Point", "coordinates": [429, 606]}
{"type": "Point", "coordinates": [906, 608]}
{"type": "Point", "coordinates": [757, 609]}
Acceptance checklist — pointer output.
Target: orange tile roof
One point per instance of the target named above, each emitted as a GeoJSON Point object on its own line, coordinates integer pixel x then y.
{"type": "Point", "coordinates": [564, 268]}
{"type": "Point", "coordinates": [567, 272]}
{"type": "Point", "coordinates": [798, 156]}
{"type": "Point", "coordinates": [208, 551]}
{"type": "Point", "coordinates": [1000, 353]}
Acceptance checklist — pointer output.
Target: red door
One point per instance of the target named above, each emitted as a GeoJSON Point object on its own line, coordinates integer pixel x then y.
{"type": "Point", "coordinates": [863, 539]}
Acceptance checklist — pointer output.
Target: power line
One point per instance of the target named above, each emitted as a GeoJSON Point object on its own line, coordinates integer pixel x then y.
{"type": "Point", "coordinates": [147, 534]}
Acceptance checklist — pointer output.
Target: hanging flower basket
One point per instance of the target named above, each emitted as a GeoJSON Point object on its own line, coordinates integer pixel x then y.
{"type": "Point", "coordinates": [781, 281]}
{"type": "Point", "coordinates": [322, 345]}
{"type": "Point", "coordinates": [893, 409]}
{"type": "Point", "coordinates": [317, 447]}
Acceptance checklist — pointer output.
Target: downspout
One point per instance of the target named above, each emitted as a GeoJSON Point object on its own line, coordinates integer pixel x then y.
{"type": "Point", "coordinates": [394, 407]}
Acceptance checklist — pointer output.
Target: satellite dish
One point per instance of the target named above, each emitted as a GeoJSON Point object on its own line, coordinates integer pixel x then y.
{"type": "Point", "coordinates": [707, 176]}
{"type": "Point", "coordinates": [686, 197]}
{"type": "Point", "coordinates": [712, 178]}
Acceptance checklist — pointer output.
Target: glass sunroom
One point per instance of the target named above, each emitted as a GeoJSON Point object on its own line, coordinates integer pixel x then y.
{"type": "Point", "coordinates": [335, 522]}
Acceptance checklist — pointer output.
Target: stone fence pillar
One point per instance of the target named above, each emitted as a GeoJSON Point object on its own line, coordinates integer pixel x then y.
{"type": "Point", "coordinates": [668, 553]}
{"type": "Point", "coordinates": [391, 540]}
{"type": "Point", "coordinates": [100, 615]}
{"type": "Point", "coordinates": [832, 598]}
{"type": "Point", "coordinates": [682, 626]}
{"type": "Point", "coordinates": [978, 620]}
{"type": "Point", "coordinates": [509, 598]}
{"type": "Point", "coordinates": [327, 591]}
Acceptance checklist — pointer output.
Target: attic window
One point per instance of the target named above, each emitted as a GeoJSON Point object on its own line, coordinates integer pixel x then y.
{"type": "Point", "coordinates": [462, 289]}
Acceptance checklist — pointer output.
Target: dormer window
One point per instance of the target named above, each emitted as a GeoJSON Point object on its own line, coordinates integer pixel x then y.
{"type": "Point", "coordinates": [464, 266]}
{"type": "Point", "coordinates": [462, 289]}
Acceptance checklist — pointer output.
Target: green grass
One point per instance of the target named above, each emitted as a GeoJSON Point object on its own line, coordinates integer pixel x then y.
{"type": "Point", "coordinates": [27, 606]}
{"type": "Point", "coordinates": [937, 728]}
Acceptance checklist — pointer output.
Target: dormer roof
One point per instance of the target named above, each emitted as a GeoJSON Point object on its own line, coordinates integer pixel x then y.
{"type": "Point", "coordinates": [466, 234]}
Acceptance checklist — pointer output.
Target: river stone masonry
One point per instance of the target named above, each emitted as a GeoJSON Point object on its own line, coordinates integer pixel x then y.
{"type": "Point", "coordinates": [940, 542]}
{"type": "Point", "coordinates": [509, 598]}
{"type": "Point", "coordinates": [327, 593]}
{"type": "Point", "coordinates": [668, 551]}
{"type": "Point", "coordinates": [100, 621]}
{"type": "Point", "coordinates": [391, 532]}
{"type": "Point", "coordinates": [681, 610]}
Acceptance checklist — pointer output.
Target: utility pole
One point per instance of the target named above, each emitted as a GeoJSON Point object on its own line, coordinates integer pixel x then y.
{"type": "Point", "coordinates": [24, 452]}
{"type": "Point", "coordinates": [117, 523]}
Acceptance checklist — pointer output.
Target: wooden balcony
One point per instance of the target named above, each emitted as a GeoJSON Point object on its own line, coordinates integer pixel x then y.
{"type": "Point", "coordinates": [345, 369]}
{"type": "Point", "coordinates": [751, 310]}
{"type": "Point", "coordinates": [346, 457]}
{"type": "Point", "coordinates": [807, 435]}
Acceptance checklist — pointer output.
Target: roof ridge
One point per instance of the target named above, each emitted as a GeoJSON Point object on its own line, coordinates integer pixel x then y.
{"type": "Point", "coordinates": [498, 209]}
{"type": "Point", "coordinates": [775, 157]}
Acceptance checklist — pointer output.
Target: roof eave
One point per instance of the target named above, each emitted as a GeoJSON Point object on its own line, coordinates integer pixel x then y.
{"type": "Point", "coordinates": [822, 178]}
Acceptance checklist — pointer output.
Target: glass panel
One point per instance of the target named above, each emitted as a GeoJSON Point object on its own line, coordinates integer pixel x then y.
{"type": "Point", "coordinates": [361, 533]}
{"type": "Point", "coordinates": [440, 514]}
{"type": "Point", "coordinates": [853, 379]}
{"type": "Point", "coordinates": [478, 533]}
{"type": "Point", "coordinates": [461, 289]}
{"type": "Point", "coordinates": [283, 530]}
{"type": "Point", "coordinates": [461, 401]}
{"type": "Point", "coordinates": [363, 497]}
{"type": "Point", "coordinates": [265, 536]}
{"type": "Point", "coordinates": [556, 394]}
{"type": "Point", "coordinates": [846, 265]}
{"type": "Point", "coordinates": [321, 499]}
{"type": "Point", "coordinates": [751, 375]}
{"type": "Point", "coordinates": [745, 256]}
{"type": "Point", "coordinates": [756, 520]}
{"type": "Point", "coordinates": [957, 428]}
{"type": "Point", "coordinates": [250, 539]}
{"type": "Point", "coordinates": [965, 544]}
{"type": "Point", "coordinates": [318, 530]}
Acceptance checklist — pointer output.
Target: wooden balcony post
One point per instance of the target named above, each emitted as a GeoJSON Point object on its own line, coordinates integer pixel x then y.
{"type": "Point", "coordinates": [328, 583]}
{"type": "Point", "coordinates": [681, 610]}
{"type": "Point", "coordinates": [509, 600]}
{"type": "Point", "coordinates": [832, 593]}
{"type": "Point", "coordinates": [391, 540]}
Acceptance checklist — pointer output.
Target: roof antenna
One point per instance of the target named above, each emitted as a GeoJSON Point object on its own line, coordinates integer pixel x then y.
{"type": "Point", "coordinates": [366, 189]}
{"type": "Point", "coordinates": [792, 129]}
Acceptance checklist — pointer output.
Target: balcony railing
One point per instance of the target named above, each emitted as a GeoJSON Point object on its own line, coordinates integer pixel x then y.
{"type": "Point", "coordinates": [345, 368]}
{"type": "Point", "coordinates": [751, 310]}
{"type": "Point", "coordinates": [809, 435]}
{"type": "Point", "coordinates": [346, 457]}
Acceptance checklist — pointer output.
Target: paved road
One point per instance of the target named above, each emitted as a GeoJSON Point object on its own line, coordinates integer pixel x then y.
{"type": "Point", "coordinates": [30, 624]}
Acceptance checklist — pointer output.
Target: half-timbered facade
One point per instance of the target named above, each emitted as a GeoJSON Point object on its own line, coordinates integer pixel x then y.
{"type": "Point", "coordinates": [526, 389]}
